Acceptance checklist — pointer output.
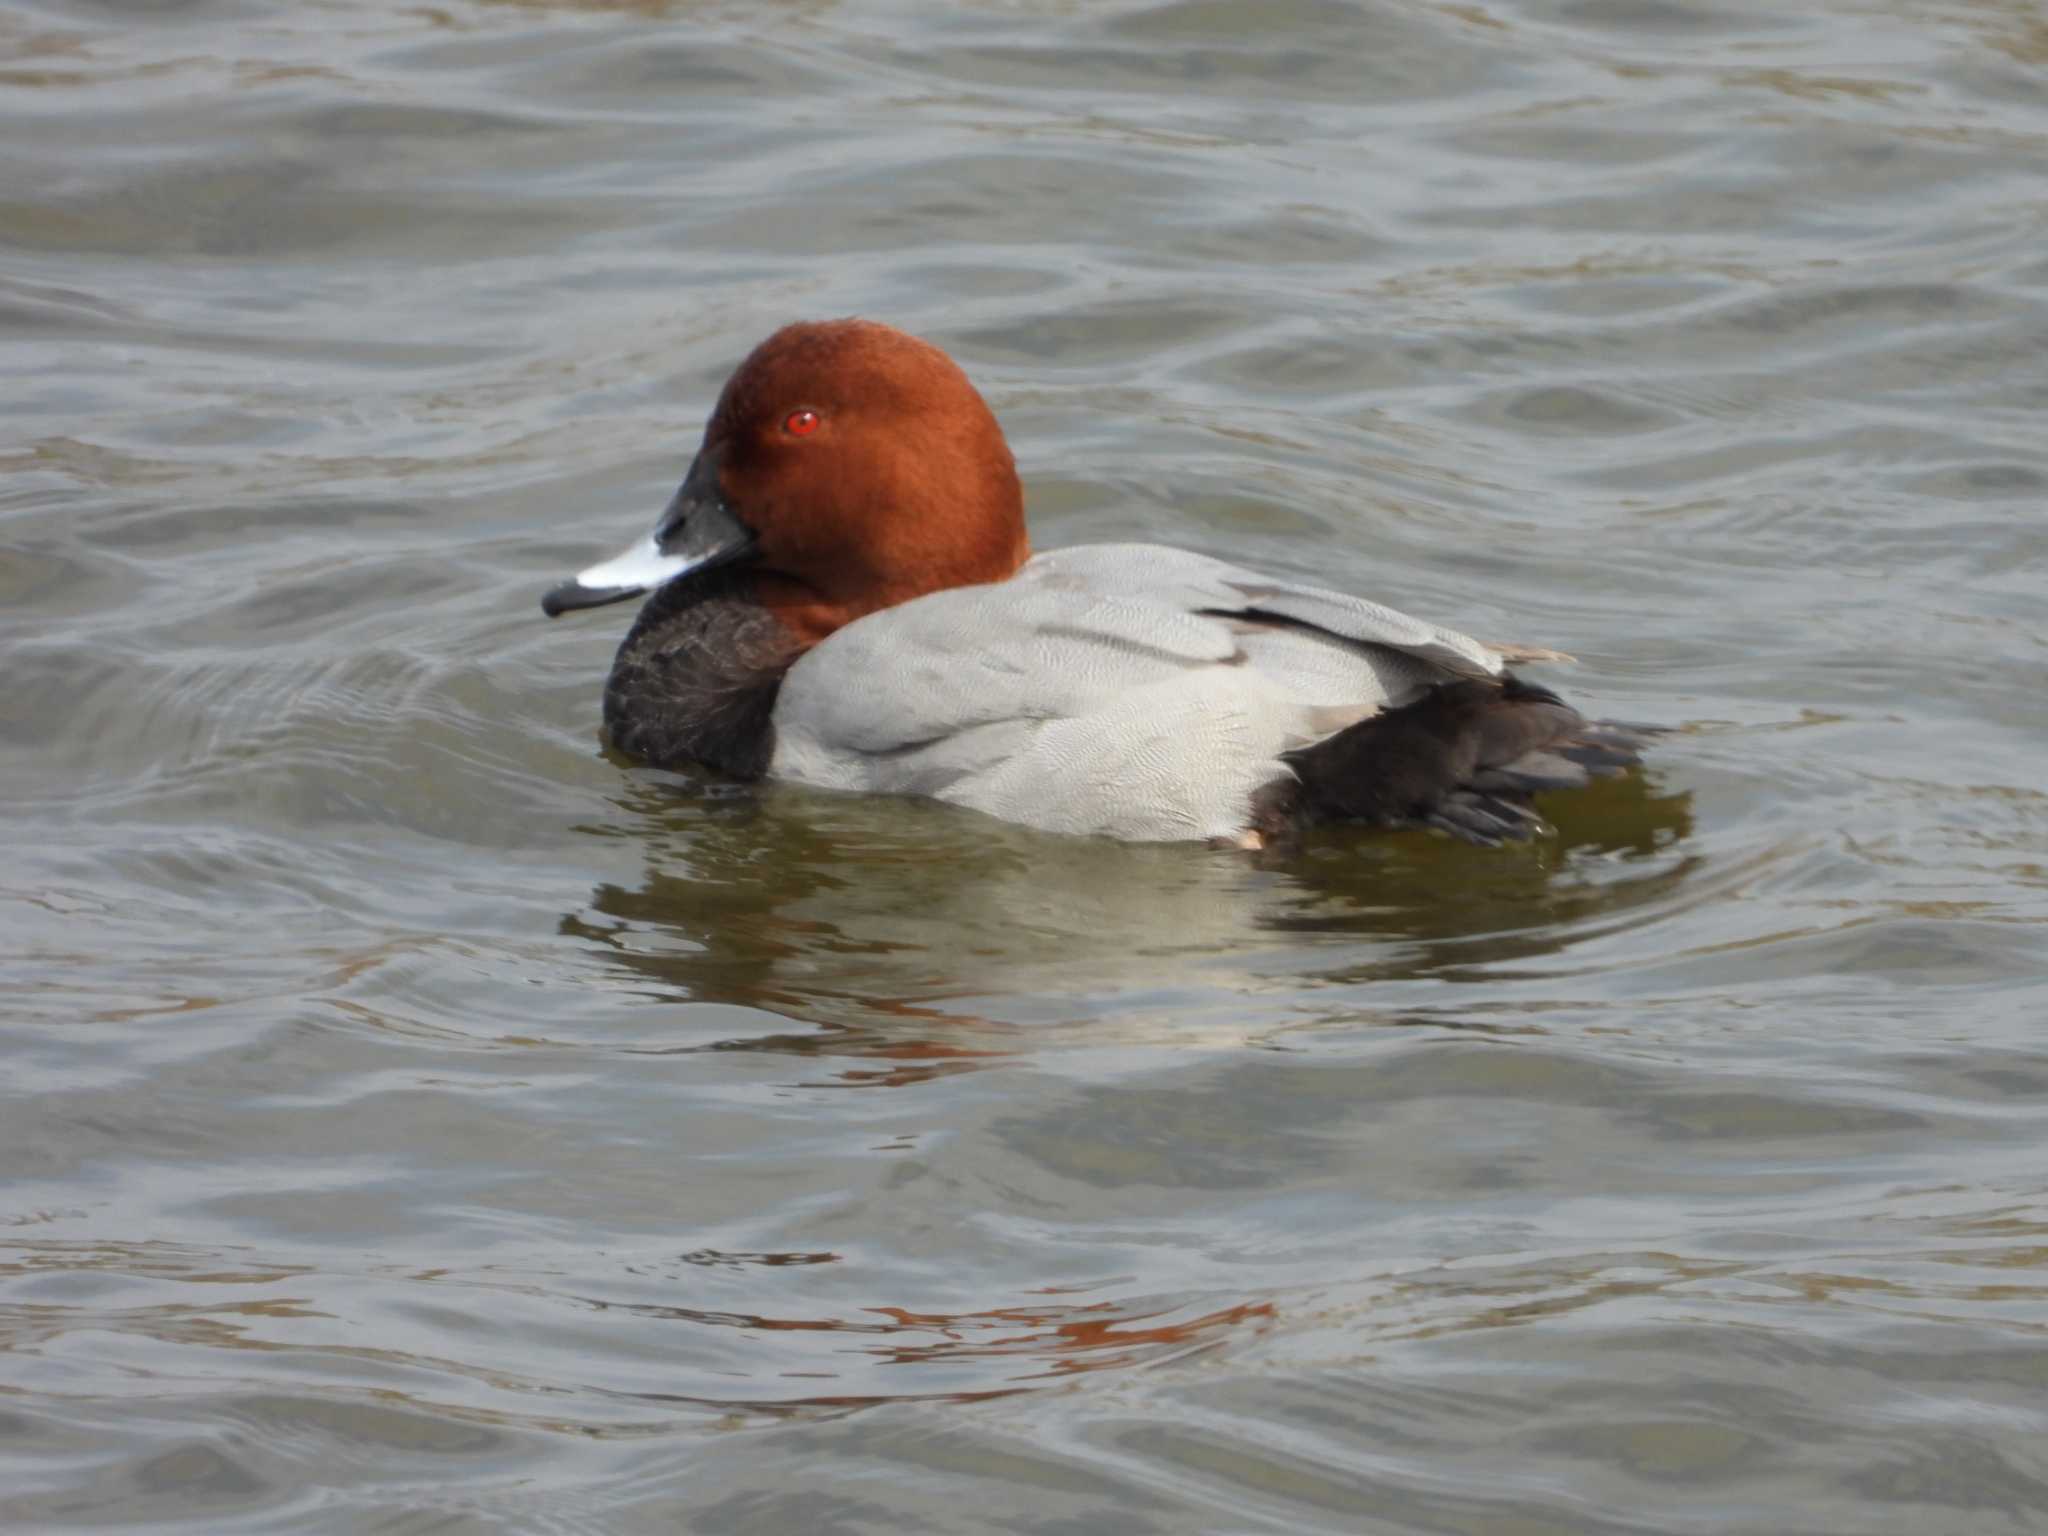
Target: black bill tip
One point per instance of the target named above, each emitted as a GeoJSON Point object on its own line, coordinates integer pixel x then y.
{"type": "Point", "coordinates": [571, 595]}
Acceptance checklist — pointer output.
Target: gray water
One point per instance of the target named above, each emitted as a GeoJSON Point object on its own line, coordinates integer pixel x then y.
{"type": "Point", "coordinates": [415, 1120]}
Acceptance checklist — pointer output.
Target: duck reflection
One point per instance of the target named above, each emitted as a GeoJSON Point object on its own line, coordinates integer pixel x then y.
{"type": "Point", "coordinates": [924, 940]}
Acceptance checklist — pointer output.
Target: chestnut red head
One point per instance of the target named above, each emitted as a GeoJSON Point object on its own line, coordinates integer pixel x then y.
{"type": "Point", "coordinates": [850, 467]}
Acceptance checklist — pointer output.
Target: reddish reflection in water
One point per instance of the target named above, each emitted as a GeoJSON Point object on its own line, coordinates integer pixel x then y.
{"type": "Point", "coordinates": [912, 1061]}
{"type": "Point", "coordinates": [1046, 1341]}
{"type": "Point", "coordinates": [1072, 1339]}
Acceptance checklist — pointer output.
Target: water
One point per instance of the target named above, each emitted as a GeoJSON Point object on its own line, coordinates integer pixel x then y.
{"type": "Point", "coordinates": [415, 1121]}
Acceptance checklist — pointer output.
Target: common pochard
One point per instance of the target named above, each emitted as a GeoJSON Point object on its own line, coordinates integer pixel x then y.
{"type": "Point", "coordinates": [843, 595]}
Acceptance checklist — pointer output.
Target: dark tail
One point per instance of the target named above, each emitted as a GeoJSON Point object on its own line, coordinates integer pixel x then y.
{"type": "Point", "coordinates": [1468, 757]}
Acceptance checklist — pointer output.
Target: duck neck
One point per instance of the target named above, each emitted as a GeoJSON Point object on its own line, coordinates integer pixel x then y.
{"type": "Point", "coordinates": [811, 609]}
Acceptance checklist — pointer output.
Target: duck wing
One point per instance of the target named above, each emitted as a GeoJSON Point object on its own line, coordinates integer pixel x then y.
{"type": "Point", "coordinates": [1137, 690]}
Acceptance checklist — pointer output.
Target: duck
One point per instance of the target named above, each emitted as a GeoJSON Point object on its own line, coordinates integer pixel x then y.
{"type": "Point", "coordinates": [842, 594]}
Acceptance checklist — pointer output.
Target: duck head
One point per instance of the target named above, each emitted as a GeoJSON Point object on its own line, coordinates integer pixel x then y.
{"type": "Point", "coordinates": [847, 467]}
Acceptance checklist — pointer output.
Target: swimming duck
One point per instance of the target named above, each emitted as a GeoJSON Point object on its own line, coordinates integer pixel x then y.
{"type": "Point", "coordinates": [842, 594]}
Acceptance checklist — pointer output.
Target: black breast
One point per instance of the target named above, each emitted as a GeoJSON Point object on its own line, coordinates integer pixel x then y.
{"type": "Point", "coordinates": [696, 677]}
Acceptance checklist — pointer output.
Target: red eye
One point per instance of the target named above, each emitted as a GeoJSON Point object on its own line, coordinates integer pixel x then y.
{"type": "Point", "coordinates": [801, 423]}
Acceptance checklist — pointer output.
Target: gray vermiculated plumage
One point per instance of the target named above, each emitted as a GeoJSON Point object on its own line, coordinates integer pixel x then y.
{"type": "Point", "coordinates": [1135, 690]}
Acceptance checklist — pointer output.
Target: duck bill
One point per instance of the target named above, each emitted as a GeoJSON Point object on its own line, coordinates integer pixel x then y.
{"type": "Point", "coordinates": [696, 532]}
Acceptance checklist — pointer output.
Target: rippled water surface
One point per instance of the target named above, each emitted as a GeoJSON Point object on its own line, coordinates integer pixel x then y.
{"type": "Point", "coordinates": [415, 1120]}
